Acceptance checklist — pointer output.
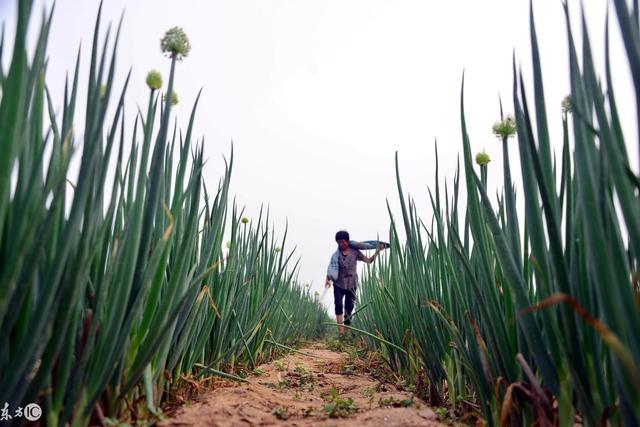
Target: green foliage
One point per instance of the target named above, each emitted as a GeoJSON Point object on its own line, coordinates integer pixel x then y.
{"type": "Point", "coordinates": [114, 284]}
{"type": "Point", "coordinates": [281, 413]}
{"type": "Point", "coordinates": [395, 402]}
{"type": "Point", "coordinates": [484, 307]}
{"type": "Point", "coordinates": [338, 407]}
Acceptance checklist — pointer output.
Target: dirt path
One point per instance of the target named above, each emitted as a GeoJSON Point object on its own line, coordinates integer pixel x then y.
{"type": "Point", "coordinates": [301, 390]}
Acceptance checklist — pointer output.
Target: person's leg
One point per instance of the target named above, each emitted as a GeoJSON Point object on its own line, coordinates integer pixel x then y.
{"type": "Point", "coordinates": [338, 294]}
{"type": "Point", "coordinates": [350, 299]}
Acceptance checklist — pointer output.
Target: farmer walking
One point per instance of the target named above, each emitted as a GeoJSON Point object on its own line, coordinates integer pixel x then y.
{"type": "Point", "coordinates": [342, 272]}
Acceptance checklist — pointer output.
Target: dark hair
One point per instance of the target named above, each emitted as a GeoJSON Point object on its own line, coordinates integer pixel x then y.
{"type": "Point", "coordinates": [342, 235]}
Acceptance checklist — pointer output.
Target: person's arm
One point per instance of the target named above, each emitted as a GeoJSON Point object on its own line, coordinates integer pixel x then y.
{"type": "Point", "coordinates": [332, 270]}
{"type": "Point", "coordinates": [327, 282]}
{"type": "Point", "coordinates": [373, 257]}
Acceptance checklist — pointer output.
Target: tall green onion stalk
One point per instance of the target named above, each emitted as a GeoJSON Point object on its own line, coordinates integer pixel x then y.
{"type": "Point", "coordinates": [107, 284]}
{"type": "Point", "coordinates": [533, 326]}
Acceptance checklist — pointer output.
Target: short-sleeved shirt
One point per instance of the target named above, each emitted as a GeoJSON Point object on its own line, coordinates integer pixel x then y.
{"type": "Point", "coordinates": [347, 275]}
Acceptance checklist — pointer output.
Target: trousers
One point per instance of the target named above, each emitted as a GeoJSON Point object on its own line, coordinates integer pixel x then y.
{"type": "Point", "coordinates": [349, 296]}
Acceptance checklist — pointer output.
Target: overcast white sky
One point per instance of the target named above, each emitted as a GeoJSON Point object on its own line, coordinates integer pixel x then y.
{"type": "Point", "coordinates": [317, 96]}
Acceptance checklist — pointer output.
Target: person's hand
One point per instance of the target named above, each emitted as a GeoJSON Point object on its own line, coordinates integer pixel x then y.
{"type": "Point", "coordinates": [327, 284]}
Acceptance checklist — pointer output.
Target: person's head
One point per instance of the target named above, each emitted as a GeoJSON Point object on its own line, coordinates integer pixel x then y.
{"type": "Point", "coordinates": [342, 239]}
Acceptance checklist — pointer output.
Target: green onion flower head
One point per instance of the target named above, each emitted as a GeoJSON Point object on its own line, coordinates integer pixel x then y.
{"type": "Point", "coordinates": [228, 244]}
{"type": "Point", "coordinates": [175, 42]}
{"type": "Point", "coordinates": [278, 249]}
{"type": "Point", "coordinates": [244, 220]}
{"type": "Point", "coordinates": [567, 104]}
{"type": "Point", "coordinates": [103, 91]}
{"type": "Point", "coordinates": [154, 80]}
{"type": "Point", "coordinates": [505, 128]}
{"type": "Point", "coordinates": [174, 98]}
{"type": "Point", "coordinates": [482, 158]}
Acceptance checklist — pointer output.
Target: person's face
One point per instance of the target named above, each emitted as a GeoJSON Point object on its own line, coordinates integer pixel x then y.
{"type": "Point", "coordinates": [342, 244]}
